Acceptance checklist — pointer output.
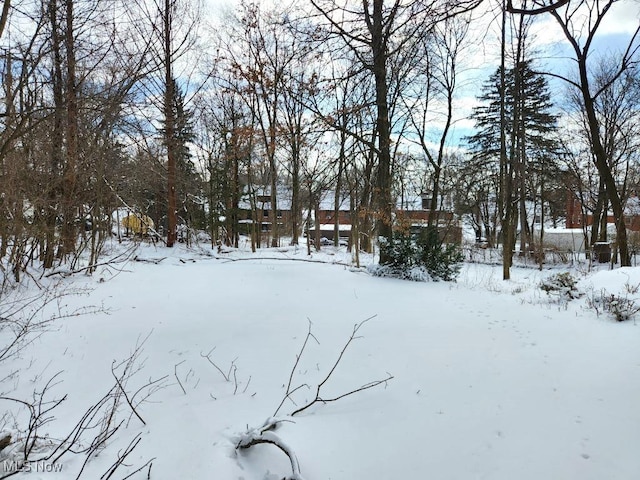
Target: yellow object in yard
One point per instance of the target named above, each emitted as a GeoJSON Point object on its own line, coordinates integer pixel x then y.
{"type": "Point", "coordinates": [137, 224]}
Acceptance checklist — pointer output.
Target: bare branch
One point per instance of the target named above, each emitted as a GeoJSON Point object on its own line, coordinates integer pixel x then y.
{"type": "Point", "coordinates": [536, 11]}
{"type": "Point", "coordinates": [208, 357]}
{"type": "Point", "coordinates": [295, 365]}
{"type": "Point", "coordinates": [175, 373]}
{"type": "Point", "coordinates": [124, 392]}
{"type": "Point", "coordinates": [367, 386]}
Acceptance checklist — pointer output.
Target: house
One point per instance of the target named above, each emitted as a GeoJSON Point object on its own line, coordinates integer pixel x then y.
{"type": "Point", "coordinates": [576, 218]}
{"type": "Point", "coordinates": [261, 198]}
{"type": "Point", "coordinates": [325, 215]}
{"type": "Point", "coordinates": [414, 212]}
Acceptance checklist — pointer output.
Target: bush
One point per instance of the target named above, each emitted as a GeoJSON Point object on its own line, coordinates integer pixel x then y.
{"type": "Point", "coordinates": [562, 284]}
{"type": "Point", "coordinates": [419, 259]}
{"type": "Point", "coordinates": [442, 261]}
{"type": "Point", "coordinates": [618, 307]}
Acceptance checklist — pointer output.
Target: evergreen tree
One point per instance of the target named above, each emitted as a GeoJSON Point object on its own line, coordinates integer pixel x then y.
{"type": "Point", "coordinates": [532, 105]}
{"type": "Point", "coordinates": [531, 144]}
{"type": "Point", "coordinates": [189, 183]}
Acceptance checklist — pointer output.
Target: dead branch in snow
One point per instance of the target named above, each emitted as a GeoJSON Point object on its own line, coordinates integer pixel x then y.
{"type": "Point", "coordinates": [289, 392]}
{"type": "Point", "coordinates": [39, 415]}
{"type": "Point", "coordinates": [265, 435]}
{"type": "Point", "coordinates": [226, 376]}
{"type": "Point", "coordinates": [121, 458]}
{"type": "Point", "coordinates": [22, 319]}
{"type": "Point", "coordinates": [155, 261]}
{"type": "Point", "coordinates": [283, 259]}
{"type": "Point", "coordinates": [232, 374]}
{"type": "Point", "coordinates": [124, 392]}
{"type": "Point", "coordinates": [130, 367]}
{"type": "Point", "coordinates": [318, 398]}
{"type": "Point", "coordinates": [91, 433]}
{"type": "Point", "coordinates": [175, 374]}
{"type": "Point", "coordinates": [366, 386]}
{"type": "Point", "coordinates": [119, 258]}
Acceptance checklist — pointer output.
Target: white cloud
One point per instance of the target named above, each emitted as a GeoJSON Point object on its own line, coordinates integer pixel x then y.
{"type": "Point", "coordinates": [623, 18]}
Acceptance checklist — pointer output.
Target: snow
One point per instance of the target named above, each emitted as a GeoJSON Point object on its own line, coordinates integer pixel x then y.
{"type": "Point", "coordinates": [492, 379]}
{"type": "Point", "coordinates": [331, 226]}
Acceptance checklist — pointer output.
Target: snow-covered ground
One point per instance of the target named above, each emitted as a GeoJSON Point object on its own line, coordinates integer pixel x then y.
{"type": "Point", "coordinates": [491, 379]}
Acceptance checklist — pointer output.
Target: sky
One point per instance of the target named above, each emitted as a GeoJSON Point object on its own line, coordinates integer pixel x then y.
{"type": "Point", "coordinates": [482, 54]}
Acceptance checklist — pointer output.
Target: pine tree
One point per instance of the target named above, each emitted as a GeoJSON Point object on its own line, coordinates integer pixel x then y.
{"type": "Point", "coordinates": [529, 132]}
{"type": "Point", "coordinates": [536, 123]}
{"type": "Point", "coordinates": [189, 183]}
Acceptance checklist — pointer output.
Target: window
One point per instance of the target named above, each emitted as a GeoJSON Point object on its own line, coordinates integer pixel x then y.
{"type": "Point", "coordinates": [265, 213]}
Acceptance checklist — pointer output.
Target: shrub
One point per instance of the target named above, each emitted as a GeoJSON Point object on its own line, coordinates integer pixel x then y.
{"type": "Point", "coordinates": [419, 259]}
{"type": "Point", "coordinates": [620, 308]}
{"type": "Point", "coordinates": [562, 284]}
{"type": "Point", "coordinates": [442, 261]}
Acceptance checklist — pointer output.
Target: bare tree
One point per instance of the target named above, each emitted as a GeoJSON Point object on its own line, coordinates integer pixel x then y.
{"type": "Point", "coordinates": [376, 32]}
{"type": "Point", "coordinates": [261, 54]}
{"type": "Point", "coordinates": [440, 62]}
{"type": "Point", "coordinates": [580, 23]}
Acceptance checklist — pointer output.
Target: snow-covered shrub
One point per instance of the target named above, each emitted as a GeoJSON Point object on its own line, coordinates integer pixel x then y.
{"type": "Point", "coordinates": [416, 274]}
{"type": "Point", "coordinates": [442, 261]}
{"type": "Point", "coordinates": [619, 307]}
{"type": "Point", "coordinates": [419, 259]}
{"type": "Point", "coordinates": [632, 289]}
{"type": "Point", "coordinates": [562, 284]}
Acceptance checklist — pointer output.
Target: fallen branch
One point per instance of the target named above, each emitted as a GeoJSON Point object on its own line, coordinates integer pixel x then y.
{"type": "Point", "coordinates": [366, 386]}
{"type": "Point", "coordinates": [286, 259]}
{"type": "Point", "coordinates": [232, 374]}
{"type": "Point", "coordinates": [318, 398]}
{"type": "Point", "coordinates": [121, 458]}
{"type": "Point", "coordinates": [90, 434]}
{"type": "Point", "coordinates": [265, 435]}
{"type": "Point", "coordinates": [112, 261]}
{"type": "Point", "coordinates": [155, 261]}
{"type": "Point", "coordinates": [208, 357]}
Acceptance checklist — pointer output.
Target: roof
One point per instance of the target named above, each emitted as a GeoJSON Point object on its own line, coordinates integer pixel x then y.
{"type": "Point", "coordinates": [283, 198]}
{"type": "Point", "coordinates": [328, 200]}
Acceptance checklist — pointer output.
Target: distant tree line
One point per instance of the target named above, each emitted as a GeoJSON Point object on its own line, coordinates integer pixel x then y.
{"type": "Point", "coordinates": [143, 107]}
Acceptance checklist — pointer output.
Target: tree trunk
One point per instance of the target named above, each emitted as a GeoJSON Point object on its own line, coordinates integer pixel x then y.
{"type": "Point", "coordinates": [382, 191]}
{"type": "Point", "coordinates": [504, 198]}
{"type": "Point", "coordinates": [235, 199]}
{"type": "Point", "coordinates": [57, 135]}
{"type": "Point", "coordinates": [70, 171]}
{"type": "Point", "coordinates": [295, 200]}
{"type": "Point", "coordinates": [602, 164]}
{"type": "Point", "coordinates": [597, 213]}
{"type": "Point", "coordinates": [337, 196]}
{"type": "Point", "coordinates": [169, 126]}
